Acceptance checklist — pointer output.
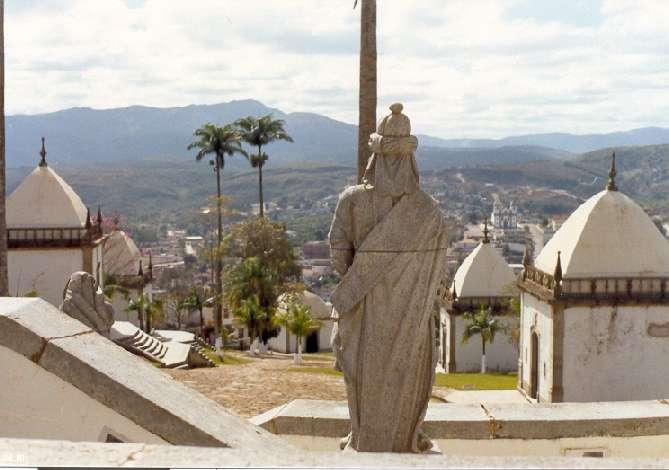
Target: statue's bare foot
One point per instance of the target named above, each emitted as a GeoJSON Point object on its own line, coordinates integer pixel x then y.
{"type": "Point", "coordinates": [344, 441]}
{"type": "Point", "coordinates": [424, 443]}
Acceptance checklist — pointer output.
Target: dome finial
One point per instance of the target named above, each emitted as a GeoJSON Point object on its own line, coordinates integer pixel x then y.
{"type": "Point", "coordinates": [42, 154]}
{"type": "Point", "coordinates": [99, 221]}
{"type": "Point", "coordinates": [140, 271]}
{"type": "Point", "coordinates": [611, 186]}
{"type": "Point", "coordinates": [486, 240]}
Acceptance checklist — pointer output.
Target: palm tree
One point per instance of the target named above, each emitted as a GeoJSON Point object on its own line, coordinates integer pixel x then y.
{"type": "Point", "coordinates": [481, 323]}
{"type": "Point", "coordinates": [195, 301]}
{"type": "Point", "coordinates": [258, 132]}
{"type": "Point", "coordinates": [112, 286]}
{"type": "Point", "coordinates": [367, 98]}
{"type": "Point", "coordinates": [248, 284]}
{"type": "Point", "coordinates": [297, 320]}
{"type": "Point", "coordinates": [146, 309]}
{"type": "Point", "coordinates": [4, 280]}
{"type": "Point", "coordinates": [218, 142]}
{"type": "Point", "coordinates": [252, 315]}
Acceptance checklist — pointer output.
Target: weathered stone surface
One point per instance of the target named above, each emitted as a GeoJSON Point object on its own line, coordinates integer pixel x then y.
{"type": "Point", "coordinates": [322, 418]}
{"type": "Point", "coordinates": [388, 243]}
{"type": "Point", "coordinates": [121, 381]}
{"type": "Point", "coordinates": [153, 400]}
{"type": "Point", "coordinates": [85, 301]}
{"type": "Point", "coordinates": [31, 453]}
{"type": "Point", "coordinates": [26, 324]}
{"type": "Point", "coordinates": [559, 420]}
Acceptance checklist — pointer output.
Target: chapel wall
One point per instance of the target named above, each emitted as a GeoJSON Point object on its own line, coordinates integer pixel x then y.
{"type": "Point", "coordinates": [537, 315]}
{"type": "Point", "coordinates": [616, 353]}
{"type": "Point", "coordinates": [501, 354]}
{"type": "Point", "coordinates": [46, 271]}
{"type": "Point", "coordinates": [40, 405]}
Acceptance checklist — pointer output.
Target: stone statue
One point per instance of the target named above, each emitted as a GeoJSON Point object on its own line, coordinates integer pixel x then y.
{"type": "Point", "coordinates": [83, 300]}
{"type": "Point", "coordinates": [388, 242]}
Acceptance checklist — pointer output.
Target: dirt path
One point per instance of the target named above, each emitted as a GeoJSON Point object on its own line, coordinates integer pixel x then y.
{"type": "Point", "coordinates": [262, 384]}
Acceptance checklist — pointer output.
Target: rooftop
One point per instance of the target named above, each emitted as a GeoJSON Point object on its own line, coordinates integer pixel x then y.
{"type": "Point", "coordinates": [607, 236]}
{"type": "Point", "coordinates": [45, 200]}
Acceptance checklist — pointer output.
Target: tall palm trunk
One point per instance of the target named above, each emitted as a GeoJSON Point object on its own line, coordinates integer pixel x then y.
{"type": "Point", "coordinates": [4, 281]}
{"type": "Point", "coordinates": [483, 364]}
{"type": "Point", "coordinates": [368, 73]}
{"type": "Point", "coordinates": [149, 325]}
{"type": "Point", "coordinates": [201, 323]}
{"type": "Point", "coordinates": [260, 197]}
{"type": "Point", "coordinates": [218, 314]}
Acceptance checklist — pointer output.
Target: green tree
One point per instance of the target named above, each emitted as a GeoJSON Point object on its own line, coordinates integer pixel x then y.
{"type": "Point", "coordinates": [252, 315]}
{"type": "Point", "coordinates": [259, 132]}
{"type": "Point", "coordinates": [112, 286]}
{"type": "Point", "coordinates": [484, 324]}
{"type": "Point", "coordinates": [368, 81]}
{"type": "Point", "coordinates": [250, 291]}
{"type": "Point", "coordinates": [296, 318]}
{"type": "Point", "coordinates": [196, 301]}
{"type": "Point", "coordinates": [217, 142]}
{"type": "Point", "coordinates": [146, 309]}
{"type": "Point", "coordinates": [266, 241]}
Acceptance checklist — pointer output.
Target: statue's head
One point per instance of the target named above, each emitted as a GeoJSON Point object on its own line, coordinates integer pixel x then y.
{"type": "Point", "coordinates": [83, 300]}
{"type": "Point", "coordinates": [395, 124]}
{"type": "Point", "coordinates": [392, 167]}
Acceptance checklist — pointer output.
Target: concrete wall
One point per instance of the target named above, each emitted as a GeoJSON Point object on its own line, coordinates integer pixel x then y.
{"type": "Point", "coordinates": [501, 355]}
{"type": "Point", "coordinates": [120, 304]}
{"type": "Point", "coordinates": [279, 343]}
{"type": "Point", "coordinates": [537, 315]}
{"type": "Point", "coordinates": [615, 354]}
{"type": "Point", "coordinates": [36, 404]}
{"type": "Point", "coordinates": [46, 271]}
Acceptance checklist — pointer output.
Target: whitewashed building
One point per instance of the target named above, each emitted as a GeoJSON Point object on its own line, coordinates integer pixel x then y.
{"type": "Point", "coordinates": [50, 235]}
{"type": "Point", "coordinates": [318, 340]}
{"type": "Point", "coordinates": [595, 307]}
{"type": "Point", "coordinates": [122, 263]}
{"type": "Point", "coordinates": [483, 279]}
{"type": "Point", "coordinates": [504, 217]}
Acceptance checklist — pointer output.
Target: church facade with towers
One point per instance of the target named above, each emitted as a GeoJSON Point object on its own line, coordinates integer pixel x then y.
{"type": "Point", "coordinates": [595, 306]}
{"type": "Point", "coordinates": [50, 235]}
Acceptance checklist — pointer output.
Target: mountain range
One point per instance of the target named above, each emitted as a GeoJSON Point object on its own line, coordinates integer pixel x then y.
{"type": "Point", "coordinates": [109, 137]}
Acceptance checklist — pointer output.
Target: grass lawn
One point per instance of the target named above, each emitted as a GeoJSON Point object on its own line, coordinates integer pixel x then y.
{"type": "Point", "coordinates": [475, 381]}
{"type": "Point", "coordinates": [229, 359]}
{"type": "Point", "coordinates": [471, 381]}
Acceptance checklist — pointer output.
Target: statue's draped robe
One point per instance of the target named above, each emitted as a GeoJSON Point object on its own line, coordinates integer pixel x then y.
{"type": "Point", "coordinates": [391, 252]}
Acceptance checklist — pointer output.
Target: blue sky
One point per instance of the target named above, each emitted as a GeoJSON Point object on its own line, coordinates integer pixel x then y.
{"type": "Point", "coordinates": [463, 68]}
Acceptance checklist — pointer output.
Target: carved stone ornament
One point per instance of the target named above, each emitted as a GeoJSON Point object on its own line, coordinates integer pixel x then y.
{"type": "Point", "coordinates": [83, 300]}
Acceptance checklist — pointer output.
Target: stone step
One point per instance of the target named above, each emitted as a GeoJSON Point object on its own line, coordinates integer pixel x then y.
{"type": "Point", "coordinates": [155, 347]}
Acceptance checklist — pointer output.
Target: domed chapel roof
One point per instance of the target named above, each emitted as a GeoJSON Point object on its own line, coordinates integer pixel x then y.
{"type": "Point", "coordinates": [484, 273]}
{"type": "Point", "coordinates": [609, 235]}
{"type": "Point", "coordinates": [45, 200]}
{"type": "Point", "coordinates": [120, 255]}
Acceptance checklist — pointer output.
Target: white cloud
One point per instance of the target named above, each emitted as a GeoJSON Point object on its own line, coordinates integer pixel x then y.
{"type": "Point", "coordinates": [462, 67]}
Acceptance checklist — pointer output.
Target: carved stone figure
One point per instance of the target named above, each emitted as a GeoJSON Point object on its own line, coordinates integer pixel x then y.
{"type": "Point", "coordinates": [84, 300]}
{"type": "Point", "coordinates": [388, 242]}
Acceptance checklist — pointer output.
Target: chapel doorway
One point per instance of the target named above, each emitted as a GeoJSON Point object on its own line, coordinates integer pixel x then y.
{"type": "Point", "coordinates": [312, 342]}
{"type": "Point", "coordinates": [534, 366]}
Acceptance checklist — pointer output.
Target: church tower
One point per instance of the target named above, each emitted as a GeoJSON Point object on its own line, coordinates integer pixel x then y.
{"type": "Point", "coordinates": [595, 306]}
{"type": "Point", "coordinates": [50, 235]}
